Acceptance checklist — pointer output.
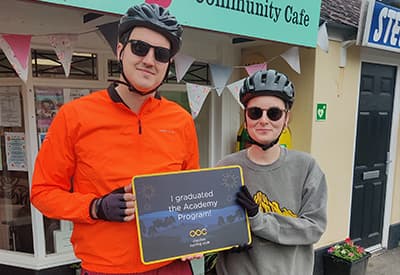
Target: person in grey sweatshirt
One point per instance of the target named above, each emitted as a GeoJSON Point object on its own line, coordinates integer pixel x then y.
{"type": "Point", "coordinates": [285, 191]}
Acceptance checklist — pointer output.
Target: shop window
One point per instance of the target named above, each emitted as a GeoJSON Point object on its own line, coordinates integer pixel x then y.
{"type": "Point", "coordinates": [178, 97]}
{"type": "Point", "coordinates": [15, 213]}
{"type": "Point", "coordinates": [48, 101]}
{"type": "Point", "coordinates": [198, 73]}
{"type": "Point", "coordinates": [46, 64]}
{"type": "Point", "coordinates": [6, 69]}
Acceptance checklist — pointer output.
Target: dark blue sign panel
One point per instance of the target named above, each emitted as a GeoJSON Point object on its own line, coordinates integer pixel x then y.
{"type": "Point", "coordinates": [189, 212]}
{"type": "Point", "coordinates": [382, 29]}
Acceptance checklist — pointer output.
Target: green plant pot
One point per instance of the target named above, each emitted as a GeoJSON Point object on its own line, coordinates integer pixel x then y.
{"type": "Point", "coordinates": [337, 266]}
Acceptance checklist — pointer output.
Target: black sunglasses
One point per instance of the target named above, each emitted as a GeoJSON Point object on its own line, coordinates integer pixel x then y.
{"type": "Point", "coordinates": [141, 48]}
{"type": "Point", "coordinates": [273, 113]}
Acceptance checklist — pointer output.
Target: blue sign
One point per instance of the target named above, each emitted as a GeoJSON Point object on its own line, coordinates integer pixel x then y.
{"type": "Point", "coordinates": [382, 28]}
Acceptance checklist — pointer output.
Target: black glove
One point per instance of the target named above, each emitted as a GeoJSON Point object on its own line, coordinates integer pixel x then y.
{"type": "Point", "coordinates": [244, 198]}
{"type": "Point", "coordinates": [111, 207]}
{"type": "Point", "coordinates": [241, 248]}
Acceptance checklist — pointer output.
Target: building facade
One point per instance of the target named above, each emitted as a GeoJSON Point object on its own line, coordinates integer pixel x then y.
{"type": "Point", "coordinates": [336, 117]}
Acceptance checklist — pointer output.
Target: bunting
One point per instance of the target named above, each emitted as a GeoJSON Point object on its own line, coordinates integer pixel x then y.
{"type": "Point", "coordinates": [322, 40]}
{"type": "Point", "coordinates": [182, 64]}
{"type": "Point", "coordinates": [250, 69]}
{"type": "Point", "coordinates": [109, 32]}
{"type": "Point", "coordinates": [291, 56]}
{"type": "Point", "coordinates": [63, 47]}
{"type": "Point", "coordinates": [16, 48]}
{"type": "Point", "coordinates": [197, 94]}
{"type": "Point", "coordinates": [220, 75]}
{"type": "Point", "coordinates": [234, 88]}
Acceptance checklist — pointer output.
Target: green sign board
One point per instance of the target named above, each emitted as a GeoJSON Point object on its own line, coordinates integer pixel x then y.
{"type": "Point", "coordinates": [288, 21]}
{"type": "Point", "coordinates": [321, 111]}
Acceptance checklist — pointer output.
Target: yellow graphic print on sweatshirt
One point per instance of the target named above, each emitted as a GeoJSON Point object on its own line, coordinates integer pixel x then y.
{"type": "Point", "coordinates": [271, 206]}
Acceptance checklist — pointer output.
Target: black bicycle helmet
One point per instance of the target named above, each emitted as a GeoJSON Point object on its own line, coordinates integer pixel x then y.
{"type": "Point", "coordinates": [267, 82]}
{"type": "Point", "coordinates": [154, 17]}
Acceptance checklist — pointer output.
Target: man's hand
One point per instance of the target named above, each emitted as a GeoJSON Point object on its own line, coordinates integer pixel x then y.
{"type": "Point", "coordinates": [192, 257]}
{"type": "Point", "coordinates": [246, 201]}
{"type": "Point", "coordinates": [240, 248]}
{"type": "Point", "coordinates": [119, 205]}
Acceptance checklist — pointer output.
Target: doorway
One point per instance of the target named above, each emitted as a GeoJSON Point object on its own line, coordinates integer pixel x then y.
{"type": "Point", "coordinates": [375, 111]}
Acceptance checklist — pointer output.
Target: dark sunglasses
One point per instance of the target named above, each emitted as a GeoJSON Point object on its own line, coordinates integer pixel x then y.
{"type": "Point", "coordinates": [141, 48]}
{"type": "Point", "coordinates": [273, 113]}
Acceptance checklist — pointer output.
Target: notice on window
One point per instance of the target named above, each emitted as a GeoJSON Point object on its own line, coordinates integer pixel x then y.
{"type": "Point", "coordinates": [48, 102]}
{"type": "Point", "coordinates": [10, 107]}
{"type": "Point", "coordinates": [15, 151]}
{"type": "Point", "coordinates": [71, 94]}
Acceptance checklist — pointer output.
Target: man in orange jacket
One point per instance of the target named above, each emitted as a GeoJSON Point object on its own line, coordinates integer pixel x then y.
{"type": "Point", "coordinates": [97, 143]}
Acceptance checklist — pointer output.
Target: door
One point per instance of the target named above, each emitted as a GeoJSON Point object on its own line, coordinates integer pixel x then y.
{"type": "Point", "coordinates": [372, 147]}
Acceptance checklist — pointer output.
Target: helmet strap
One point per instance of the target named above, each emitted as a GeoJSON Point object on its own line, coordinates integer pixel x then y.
{"type": "Point", "coordinates": [265, 147]}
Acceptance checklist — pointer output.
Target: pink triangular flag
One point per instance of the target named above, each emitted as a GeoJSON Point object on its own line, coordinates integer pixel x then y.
{"type": "Point", "coordinates": [250, 69]}
{"type": "Point", "coordinates": [16, 48]}
{"type": "Point", "coordinates": [182, 64]}
{"type": "Point", "coordinates": [63, 47]}
{"type": "Point", "coordinates": [196, 95]}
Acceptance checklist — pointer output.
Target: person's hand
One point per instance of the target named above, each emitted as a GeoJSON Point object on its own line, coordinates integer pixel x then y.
{"type": "Point", "coordinates": [192, 257]}
{"type": "Point", "coordinates": [241, 248]}
{"type": "Point", "coordinates": [244, 198]}
{"type": "Point", "coordinates": [119, 205]}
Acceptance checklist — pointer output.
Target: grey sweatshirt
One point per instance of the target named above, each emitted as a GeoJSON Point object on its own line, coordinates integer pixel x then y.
{"type": "Point", "coordinates": [292, 195]}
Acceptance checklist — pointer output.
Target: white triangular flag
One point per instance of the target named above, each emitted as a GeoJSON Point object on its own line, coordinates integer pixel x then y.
{"type": "Point", "coordinates": [235, 89]}
{"type": "Point", "coordinates": [63, 46]}
{"type": "Point", "coordinates": [196, 95]}
{"type": "Point", "coordinates": [17, 48]}
{"type": "Point", "coordinates": [323, 41]}
{"type": "Point", "coordinates": [220, 75]}
{"type": "Point", "coordinates": [291, 56]}
{"type": "Point", "coordinates": [182, 64]}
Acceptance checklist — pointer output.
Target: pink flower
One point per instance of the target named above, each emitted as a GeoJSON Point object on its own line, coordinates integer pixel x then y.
{"type": "Point", "coordinates": [360, 249]}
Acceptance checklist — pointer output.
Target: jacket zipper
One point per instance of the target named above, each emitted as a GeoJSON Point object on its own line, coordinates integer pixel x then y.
{"type": "Point", "coordinates": [140, 127]}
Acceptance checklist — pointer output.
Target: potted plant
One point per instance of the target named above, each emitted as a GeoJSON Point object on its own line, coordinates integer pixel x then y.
{"type": "Point", "coordinates": [346, 258]}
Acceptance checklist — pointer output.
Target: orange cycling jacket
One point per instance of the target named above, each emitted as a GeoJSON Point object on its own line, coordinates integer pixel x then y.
{"type": "Point", "coordinates": [97, 144]}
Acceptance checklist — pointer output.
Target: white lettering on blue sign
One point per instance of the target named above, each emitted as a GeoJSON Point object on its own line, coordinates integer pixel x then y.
{"type": "Point", "coordinates": [384, 30]}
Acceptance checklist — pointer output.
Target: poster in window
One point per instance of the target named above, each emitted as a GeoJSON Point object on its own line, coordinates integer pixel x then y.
{"type": "Point", "coordinates": [41, 137]}
{"type": "Point", "coordinates": [10, 107]}
{"type": "Point", "coordinates": [71, 94]}
{"type": "Point", "coordinates": [48, 102]}
{"type": "Point", "coordinates": [15, 151]}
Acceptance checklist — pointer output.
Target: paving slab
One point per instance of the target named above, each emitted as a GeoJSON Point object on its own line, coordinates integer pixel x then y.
{"type": "Point", "coordinates": [384, 262]}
